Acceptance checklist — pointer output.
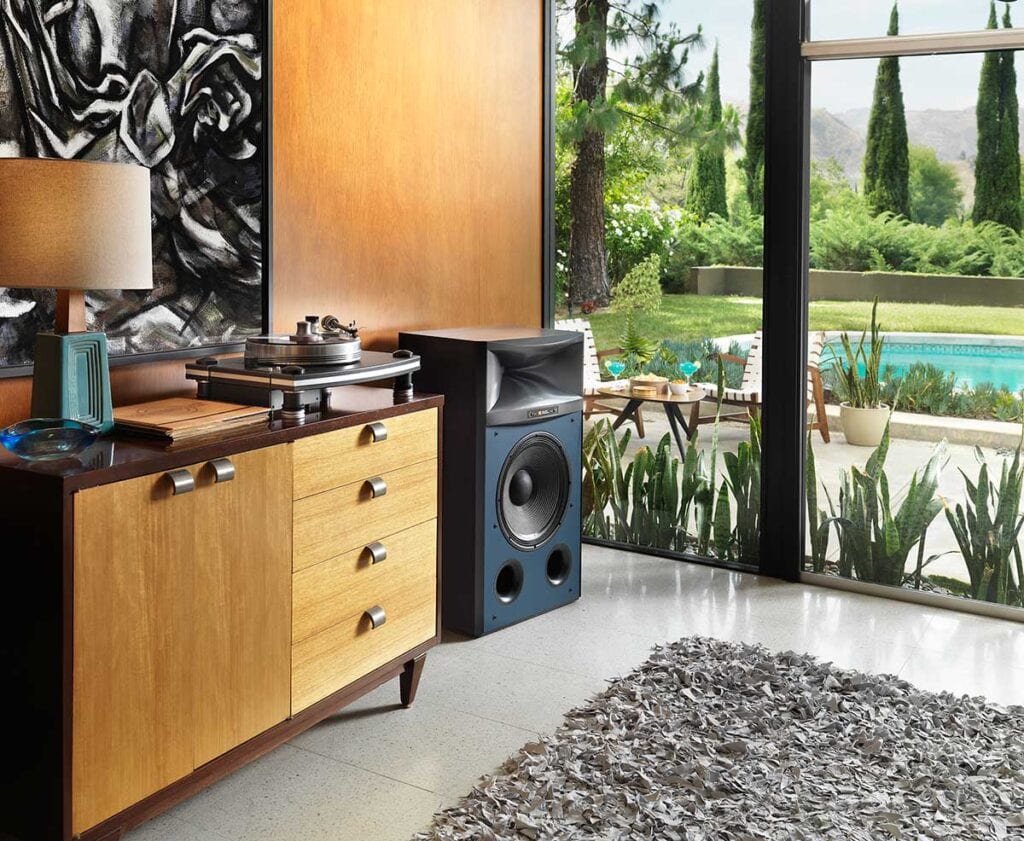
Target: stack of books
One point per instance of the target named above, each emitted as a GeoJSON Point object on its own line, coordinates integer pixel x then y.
{"type": "Point", "coordinates": [186, 418]}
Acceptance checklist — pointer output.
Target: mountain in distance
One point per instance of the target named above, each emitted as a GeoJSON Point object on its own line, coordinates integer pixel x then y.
{"type": "Point", "coordinates": [832, 137]}
{"type": "Point", "coordinates": [952, 134]}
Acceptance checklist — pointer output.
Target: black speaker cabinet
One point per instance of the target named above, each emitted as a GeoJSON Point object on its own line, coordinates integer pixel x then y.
{"type": "Point", "coordinates": [510, 511]}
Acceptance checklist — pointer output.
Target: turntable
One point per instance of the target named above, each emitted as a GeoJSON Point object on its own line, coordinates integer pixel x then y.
{"type": "Point", "coordinates": [295, 373]}
{"type": "Point", "coordinates": [313, 343]}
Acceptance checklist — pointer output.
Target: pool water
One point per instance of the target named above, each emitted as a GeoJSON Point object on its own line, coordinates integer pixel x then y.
{"type": "Point", "coordinates": [1002, 365]}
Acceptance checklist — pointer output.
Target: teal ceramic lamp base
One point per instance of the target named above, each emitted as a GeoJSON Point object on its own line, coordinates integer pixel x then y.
{"type": "Point", "coordinates": [72, 379]}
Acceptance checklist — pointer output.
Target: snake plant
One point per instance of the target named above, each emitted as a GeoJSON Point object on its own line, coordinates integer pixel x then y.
{"type": "Point", "coordinates": [742, 483]}
{"type": "Point", "coordinates": [649, 501]}
{"type": "Point", "coordinates": [653, 515]}
{"type": "Point", "coordinates": [653, 500]}
{"type": "Point", "coordinates": [818, 521]}
{"type": "Point", "coordinates": [705, 496]}
{"type": "Point", "coordinates": [604, 485]}
{"type": "Point", "coordinates": [987, 530]}
{"type": "Point", "coordinates": [876, 540]}
{"type": "Point", "coordinates": [857, 373]}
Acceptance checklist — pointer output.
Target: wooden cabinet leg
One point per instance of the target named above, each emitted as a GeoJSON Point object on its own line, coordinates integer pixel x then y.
{"type": "Point", "coordinates": [409, 680]}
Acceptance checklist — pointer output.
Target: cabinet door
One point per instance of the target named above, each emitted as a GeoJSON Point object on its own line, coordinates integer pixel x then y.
{"type": "Point", "coordinates": [133, 614]}
{"type": "Point", "coordinates": [241, 678]}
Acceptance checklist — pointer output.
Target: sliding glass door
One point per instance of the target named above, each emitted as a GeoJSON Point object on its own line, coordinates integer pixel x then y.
{"type": "Point", "coordinates": [659, 204]}
{"type": "Point", "coordinates": [916, 282]}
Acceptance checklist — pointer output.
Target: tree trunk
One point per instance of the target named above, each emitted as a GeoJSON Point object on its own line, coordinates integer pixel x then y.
{"type": "Point", "coordinates": [588, 274]}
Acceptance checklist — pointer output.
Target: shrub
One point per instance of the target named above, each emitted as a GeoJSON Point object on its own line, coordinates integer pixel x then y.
{"type": "Point", "coordinates": [738, 241]}
{"type": "Point", "coordinates": [634, 232]}
{"type": "Point", "coordinates": [735, 242]}
{"type": "Point", "coordinates": [926, 389]}
{"type": "Point", "coordinates": [851, 239]}
{"type": "Point", "coordinates": [844, 236]}
{"type": "Point", "coordinates": [704, 351]}
{"type": "Point", "coordinates": [638, 352]}
{"type": "Point", "coordinates": [640, 290]}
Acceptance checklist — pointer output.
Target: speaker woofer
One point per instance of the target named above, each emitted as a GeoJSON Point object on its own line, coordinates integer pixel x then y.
{"type": "Point", "coordinates": [533, 490]}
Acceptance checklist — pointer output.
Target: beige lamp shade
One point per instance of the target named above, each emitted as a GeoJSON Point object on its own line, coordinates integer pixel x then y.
{"type": "Point", "coordinates": [74, 225]}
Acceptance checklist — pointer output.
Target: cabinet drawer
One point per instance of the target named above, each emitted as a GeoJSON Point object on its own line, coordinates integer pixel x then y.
{"type": "Point", "coordinates": [325, 594]}
{"type": "Point", "coordinates": [332, 659]}
{"type": "Point", "coordinates": [336, 521]}
{"type": "Point", "coordinates": [334, 459]}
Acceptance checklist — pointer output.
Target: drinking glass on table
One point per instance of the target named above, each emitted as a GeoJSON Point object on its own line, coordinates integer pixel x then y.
{"type": "Point", "coordinates": [615, 367]}
{"type": "Point", "coordinates": [688, 369]}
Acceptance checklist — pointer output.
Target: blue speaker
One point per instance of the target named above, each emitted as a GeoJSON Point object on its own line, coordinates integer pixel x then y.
{"type": "Point", "coordinates": [511, 472]}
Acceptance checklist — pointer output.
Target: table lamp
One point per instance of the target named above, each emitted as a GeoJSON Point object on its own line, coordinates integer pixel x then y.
{"type": "Point", "coordinates": [74, 226]}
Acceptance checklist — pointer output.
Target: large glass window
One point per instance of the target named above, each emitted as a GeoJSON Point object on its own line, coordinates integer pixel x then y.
{"type": "Point", "coordinates": [659, 210]}
{"type": "Point", "coordinates": [916, 203]}
{"type": "Point", "coordinates": [914, 383]}
{"type": "Point", "coordinates": [839, 19]}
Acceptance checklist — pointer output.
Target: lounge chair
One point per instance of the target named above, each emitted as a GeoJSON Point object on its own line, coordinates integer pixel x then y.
{"type": "Point", "coordinates": [592, 359]}
{"type": "Point", "coordinates": [749, 397]}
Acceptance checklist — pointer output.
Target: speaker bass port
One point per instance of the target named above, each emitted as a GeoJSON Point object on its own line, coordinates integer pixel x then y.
{"type": "Point", "coordinates": [509, 582]}
{"type": "Point", "coordinates": [559, 565]}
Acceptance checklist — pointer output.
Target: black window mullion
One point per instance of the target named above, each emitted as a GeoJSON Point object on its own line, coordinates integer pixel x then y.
{"type": "Point", "coordinates": [784, 378]}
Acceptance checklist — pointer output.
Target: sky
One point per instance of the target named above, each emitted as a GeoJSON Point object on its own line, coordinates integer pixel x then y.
{"type": "Point", "coordinates": [942, 82]}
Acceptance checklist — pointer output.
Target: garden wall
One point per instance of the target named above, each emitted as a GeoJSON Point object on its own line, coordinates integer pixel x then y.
{"type": "Point", "coordinates": [858, 286]}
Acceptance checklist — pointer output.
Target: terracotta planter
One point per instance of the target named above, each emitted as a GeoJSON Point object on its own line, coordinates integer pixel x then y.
{"type": "Point", "coordinates": [863, 427]}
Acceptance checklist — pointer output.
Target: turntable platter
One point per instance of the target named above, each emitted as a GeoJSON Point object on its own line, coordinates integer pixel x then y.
{"type": "Point", "coordinates": [308, 346]}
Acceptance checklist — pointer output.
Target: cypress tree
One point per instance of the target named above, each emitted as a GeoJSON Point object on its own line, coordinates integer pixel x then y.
{"type": "Point", "coordinates": [705, 189]}
{"type": "Point", "coordinates": [753, 163]}
{"type": "Point", "coordinates": [1009, 139]}
{"type": "Point", "coordinates": [987, 114]}
{"type": "Point", "coordinates": [887, 161]}
{"type": "Point", "coordinates": [1007, 170]}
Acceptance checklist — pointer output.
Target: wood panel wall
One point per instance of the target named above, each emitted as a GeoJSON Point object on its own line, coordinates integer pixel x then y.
{"type": "Point", "coordinates": [408, 162]}
{"type": "Point", "coordinates": [407, 172]}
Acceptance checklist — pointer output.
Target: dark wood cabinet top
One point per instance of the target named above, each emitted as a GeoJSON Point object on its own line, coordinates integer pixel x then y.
{"type": "Point", "coordinates": [122, 456]}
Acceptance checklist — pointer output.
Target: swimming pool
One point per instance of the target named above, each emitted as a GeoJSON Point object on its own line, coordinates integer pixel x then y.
{"type": "Point", "coordinates": [974, 359]}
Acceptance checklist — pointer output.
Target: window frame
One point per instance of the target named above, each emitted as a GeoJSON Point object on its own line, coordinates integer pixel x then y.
{"type": "Point", "coordinates": [789, 57]}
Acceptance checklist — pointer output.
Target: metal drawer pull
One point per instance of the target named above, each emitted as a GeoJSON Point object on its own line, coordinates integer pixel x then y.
{"type": "Point", "coordinates": [378, 552]}
{"type": "Point", "coordinates": [181, 481]}
{"type": "Point", "coordinates": [223, 470]}
{"type": "Point", "coordinates": [378, 432]}
{"type": "Point", "coordinates": [378, 487]}
{"type": "Point", "coordinates": [377, 616]}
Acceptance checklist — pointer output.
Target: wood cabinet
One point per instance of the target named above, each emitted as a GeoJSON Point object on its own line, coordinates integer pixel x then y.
{"type": "Point", "coordinates": [242, 622]}
{"type": "Point", "coordinates": [135, 586]}
{"type": "Point", "coordinates": [214, 601]}
{"type": "Point", "coordinates": [181, 625]}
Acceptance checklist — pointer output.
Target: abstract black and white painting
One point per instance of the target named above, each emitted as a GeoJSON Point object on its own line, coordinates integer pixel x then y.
{"type": "Point", "coordinates": [173, 85]}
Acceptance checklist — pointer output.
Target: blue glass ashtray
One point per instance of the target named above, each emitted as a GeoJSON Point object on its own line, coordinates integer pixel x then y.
{"type": "Point", "coordinates": [48, 439]}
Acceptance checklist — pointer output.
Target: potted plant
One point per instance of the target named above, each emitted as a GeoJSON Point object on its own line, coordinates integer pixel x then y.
{"type": "Point", "coordinates": [857, 374]}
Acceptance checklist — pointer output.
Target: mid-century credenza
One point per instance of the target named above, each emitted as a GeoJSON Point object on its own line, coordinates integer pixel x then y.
{"type": "Point", "coordinates": [172, 612]}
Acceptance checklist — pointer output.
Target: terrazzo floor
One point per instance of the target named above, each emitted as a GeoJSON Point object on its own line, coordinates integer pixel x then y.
{"type": "Point", "coordinates": [376, 772]}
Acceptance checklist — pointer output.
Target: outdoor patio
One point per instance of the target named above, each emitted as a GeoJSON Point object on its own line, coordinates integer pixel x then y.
{"type": "Point", "coordinates": [905, 456]}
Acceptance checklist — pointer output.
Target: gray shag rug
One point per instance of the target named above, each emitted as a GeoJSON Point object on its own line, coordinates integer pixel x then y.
{"type": "Point", "coordinates": [714, 740]}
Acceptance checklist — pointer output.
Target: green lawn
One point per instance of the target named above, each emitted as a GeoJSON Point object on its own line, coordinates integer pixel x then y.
{"type": "Point", "coordinates": [699, 316]}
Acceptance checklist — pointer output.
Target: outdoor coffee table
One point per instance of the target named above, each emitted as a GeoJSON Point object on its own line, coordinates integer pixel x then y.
{"type": "Point", "coordinates": [671, 403]}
